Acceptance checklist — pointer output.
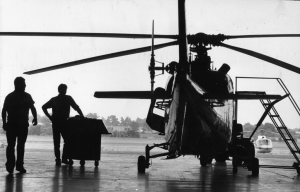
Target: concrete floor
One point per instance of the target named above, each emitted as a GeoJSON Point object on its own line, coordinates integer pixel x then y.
{"type": "Point", "coordinates": [118, 172]}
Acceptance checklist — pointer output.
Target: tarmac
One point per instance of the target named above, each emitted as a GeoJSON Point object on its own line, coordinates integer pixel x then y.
{"type": "Point", "coordinates": [117, 171]}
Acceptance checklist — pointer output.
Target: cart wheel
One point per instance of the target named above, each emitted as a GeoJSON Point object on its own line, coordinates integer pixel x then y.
{"type": "Point", "coordinates": [203, 161]}
{"type": "Point", "coordinates": [255, 167]}
{"type": "Point", "coordinates": [209, 160]}
{"type": "Point", "coordinates": [82, 162]}
{"type": "Point", "coordinates": [96, 163]}
{"type": "Point", "coordinates": [71, 162]}
{"type": "Point", "coordinates": [141, 164]}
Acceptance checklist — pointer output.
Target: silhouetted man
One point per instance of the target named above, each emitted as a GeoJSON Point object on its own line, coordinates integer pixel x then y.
{"type": "Point", "coordinates": [60, 113]}
{"type": "Point", "coordinates": [16, 109]}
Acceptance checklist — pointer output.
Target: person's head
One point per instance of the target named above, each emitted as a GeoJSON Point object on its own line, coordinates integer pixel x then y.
{"type": "Point", "coordinates": [62, 89]}
{"type": "Point", "coordinates": [20, 84]}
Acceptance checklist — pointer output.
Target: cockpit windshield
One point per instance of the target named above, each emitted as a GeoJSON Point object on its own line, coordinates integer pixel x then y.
{"type": "Point", "coordinates": [229, 84]}
{"type": "Point", "coordinates": [264, 142]}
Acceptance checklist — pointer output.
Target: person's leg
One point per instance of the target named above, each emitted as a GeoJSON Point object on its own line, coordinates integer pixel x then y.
{"type": "Point", "coordinates": [56, 142]}
{"type": "Point", "coordinates": [65, 147]}
{"type": "Point", "coordinates": [22, 137]}
{"type": "Point", "coordinates": [64, 134]}
{"type": "Point", "coordinates": [10, 150]}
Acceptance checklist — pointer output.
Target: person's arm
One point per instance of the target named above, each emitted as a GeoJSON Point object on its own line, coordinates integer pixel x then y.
{"type": "Point", "coordinates": [4, 126]}
{"type": "Point", "coordinates": [34, 114]}
{"type": "Point", "coordinates": [45, 107]}
{"type": "Point", "coordinates": [33, 111]}
{"type": "Point", "coordinates": [76, 107]}
{"type": "Point", "coordinates": [79, 111]}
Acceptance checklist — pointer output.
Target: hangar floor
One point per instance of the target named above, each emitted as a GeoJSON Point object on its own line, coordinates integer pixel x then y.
{"type": "Point", "coordinates": [117, 171]}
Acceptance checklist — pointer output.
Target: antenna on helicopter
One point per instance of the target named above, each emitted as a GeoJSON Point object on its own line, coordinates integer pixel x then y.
{"type": "Point", "coordinates": [152, 67]}
{"type": "Point", "coordinates": [152, 75]}
{"type": "Point", "coordinates": [152, 61]}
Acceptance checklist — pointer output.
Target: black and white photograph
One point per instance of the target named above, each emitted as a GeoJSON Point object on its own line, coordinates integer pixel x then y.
{"type": "Point", "coordinates": [160, 95]}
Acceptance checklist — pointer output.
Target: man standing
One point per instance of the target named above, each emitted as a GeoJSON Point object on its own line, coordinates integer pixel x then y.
{"type": "Point", "coordinates": [60, 113]}
{"type": "Point", "coordinates": [16, 109]}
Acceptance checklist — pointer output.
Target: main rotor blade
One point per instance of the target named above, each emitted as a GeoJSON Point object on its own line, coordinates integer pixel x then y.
{"type": "Point", "coordinates": [101, 57]}
{"type": "Point", "coordinates": [123, 94]}
{"type": "Point", "coordinates": [260, 36]}
{"type": "Point", "coordinates": [67, 34]}
{"type": "Point", "coordinates": [158, 94]}
{"type": "Point", "coordinates": [263, 57]}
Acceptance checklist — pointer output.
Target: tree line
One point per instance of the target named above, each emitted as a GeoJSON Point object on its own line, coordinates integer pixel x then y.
{"type": "Point", "coordinates": [44, 126]}
{"type": "Point", "coordinates": [133, 126]}
{"type": "Point", "coordinates": [267, 129]}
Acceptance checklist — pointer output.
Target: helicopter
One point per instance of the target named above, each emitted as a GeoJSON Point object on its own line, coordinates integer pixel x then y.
{"type": "Point", "coordinates": [262, 143]}
{"type": "Point", "coordinates": [198, 101]}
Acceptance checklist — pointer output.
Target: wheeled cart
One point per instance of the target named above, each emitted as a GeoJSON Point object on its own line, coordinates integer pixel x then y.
{"type": "Point", "coordinates": [84, 139]}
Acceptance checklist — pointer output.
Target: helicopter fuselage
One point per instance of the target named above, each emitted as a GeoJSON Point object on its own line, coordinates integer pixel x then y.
{"type": "Point", "coordinates": [208, 122]}
{"type": "Point", "coordinates": [263, 144]}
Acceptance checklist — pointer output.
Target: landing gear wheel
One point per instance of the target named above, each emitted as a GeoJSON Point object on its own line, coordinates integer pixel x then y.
{"type": "Point", "coordinates": [298, 171]}
{"type": "Point", "coordinates": [203, 161]}
{"type": "Point", "coordinates": [82, 162]}
{"type": "Point", "coordinates": [220, 159]}
{"type": "Point", "coordinates": [239, 161]}
{"type": "Point", "coordinates": [71, 162]}
{"type": "Point", "coordinates": [255, 167]}
{"type": "Point", "coordinates": [209, 160]}
{"type": "Point", "coordinates": [141, 164]}
{"type": "Point", "coordinates": [96, 163]}
{"type": "Point", "coordinates": [235, 165]}
{"type": "Point", "coordinates": [235, 170]}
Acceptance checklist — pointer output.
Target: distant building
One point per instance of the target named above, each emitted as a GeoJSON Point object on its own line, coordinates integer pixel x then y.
{"type": "Point", "coordinates": [117, 128]}
{"type": "Point", "coordinates": [140, 130]}
{"type": "Point", "coordinates": [151, 132]}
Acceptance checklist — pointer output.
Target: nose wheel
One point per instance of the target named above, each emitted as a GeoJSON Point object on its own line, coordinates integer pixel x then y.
{"type": "Point", "coordinates": [82, 163]}
{"type": "Point", "coordinates": [141, 164]}
{"type": "Point", "coordinates": [204, 160]}
{"type": "Point", "coordinates": [255, 167]}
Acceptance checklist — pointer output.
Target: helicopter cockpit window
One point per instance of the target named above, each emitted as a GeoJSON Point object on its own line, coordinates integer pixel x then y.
{"type": "Point", "coordinates": [216, 102]}
{"type": "Point", "coordinates": [264, 142]}
{"type": "Point", "coordinates": [220, 102]}
{"type": "Point", "coordinates": [229, 84]}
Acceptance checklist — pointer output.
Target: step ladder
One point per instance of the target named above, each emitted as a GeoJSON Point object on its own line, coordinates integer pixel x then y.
{"type": "Point", "coordinates": [281, 128]}
{"type": "Point", "coordinates": [276, 119]}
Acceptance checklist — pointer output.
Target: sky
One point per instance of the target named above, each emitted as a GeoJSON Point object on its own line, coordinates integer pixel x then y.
{"type": "Point", "coordinates": [127, 73]}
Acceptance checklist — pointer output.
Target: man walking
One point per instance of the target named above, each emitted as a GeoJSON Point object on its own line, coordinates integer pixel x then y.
{"type": "Point", "coordinates": [15, 122]}
{"type": "Point", "coordinates": [60, 113]}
